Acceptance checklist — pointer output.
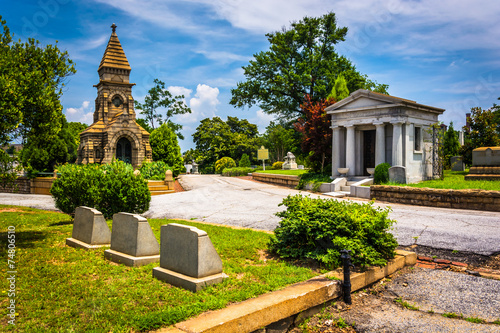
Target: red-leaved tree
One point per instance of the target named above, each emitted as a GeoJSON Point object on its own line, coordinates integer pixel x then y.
{"type": "Point", "coordinates": [317, 134]}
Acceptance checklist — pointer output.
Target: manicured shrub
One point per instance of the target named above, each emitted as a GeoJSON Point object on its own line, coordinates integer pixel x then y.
{"type": "Point", "coordinates": [320, 228]}
{"type": "Point", "coordinates": [235, 172]}
{"type": "Point", "coordinates": [223, 163]}
{"type": "Point", "coordinates": [244, 161]}
{"type": "Point", "coordinates": [109, 188]}
{"type": "Point", "coordinates": [154, 170]}
{"type": "Point", "coordinates": [381, 174]}
{"type": "Point", "coordinates": [277, 165]}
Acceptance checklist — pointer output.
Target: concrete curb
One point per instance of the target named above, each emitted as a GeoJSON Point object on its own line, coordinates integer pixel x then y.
{"type": "Point", "coordinates": [266, 309]}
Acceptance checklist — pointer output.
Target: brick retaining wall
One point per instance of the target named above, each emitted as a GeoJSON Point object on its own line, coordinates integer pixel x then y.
{"type": "Point", "coordinates": [461, 199]}
{"type": "Point", "coordinates": [22, 185]}
{"type": "Point", "coordinates": [286, 180]}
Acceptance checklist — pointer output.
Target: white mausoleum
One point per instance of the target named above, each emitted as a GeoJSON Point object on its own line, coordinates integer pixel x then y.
{"type": "Point", "coordinates": [370, 128]}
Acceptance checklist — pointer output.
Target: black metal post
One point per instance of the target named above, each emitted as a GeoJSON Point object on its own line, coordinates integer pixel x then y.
{"type": "Point", "coordinates": [346, 285]}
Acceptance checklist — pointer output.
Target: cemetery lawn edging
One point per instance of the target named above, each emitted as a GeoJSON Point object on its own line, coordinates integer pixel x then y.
{"type": "Point", "coordinates": [61, 288]}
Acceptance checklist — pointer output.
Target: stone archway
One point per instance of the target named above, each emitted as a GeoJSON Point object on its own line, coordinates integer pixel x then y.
{"type": "Point", "coordinates": [124, 150]}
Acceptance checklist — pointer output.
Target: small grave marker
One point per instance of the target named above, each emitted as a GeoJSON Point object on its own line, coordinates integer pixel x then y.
{"type": "Point", "coordinates": [90, 229]}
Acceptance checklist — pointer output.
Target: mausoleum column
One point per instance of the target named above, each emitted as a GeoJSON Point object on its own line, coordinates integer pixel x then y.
{"type": "Point", "coordinates": [380, 144]}
{"type": "Point", "coordinates": [335, 150]}
{"type": "Point", "coordinates": [350, 153]}
{"type": "Point", "coordinates": [397, 144]}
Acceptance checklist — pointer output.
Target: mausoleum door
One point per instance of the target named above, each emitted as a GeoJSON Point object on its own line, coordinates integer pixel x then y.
{"type": "Point", "coordinates": [124, 150]}
{"type": "Point", "coordinates": [368, 150]}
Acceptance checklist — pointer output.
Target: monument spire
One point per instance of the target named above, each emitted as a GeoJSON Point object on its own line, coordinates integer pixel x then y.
{"type": "Point", "coordinates": [114, 57]}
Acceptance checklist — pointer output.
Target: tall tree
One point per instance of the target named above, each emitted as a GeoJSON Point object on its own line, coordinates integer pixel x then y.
{"type": "Point", "coordinates": [31, 82]}
{"type": "Point", "coordinates": [480, 133]}
{"type": "Point", "coordinates": [496, 115]}
{"type": "Point", "coordinates": [301, 60]}
{"type": "Point", "coordinates": [159, 97]}
{"type": "Point", "coordinates": [279, 140]}
{"type": "Point", "coordinates": [451, 145]}
{"type": "Point", "coordinates": [166, 148]}
{"type": "Point", "coordinates": [215, 138]}
{"type": "Point", "coordinates": [317, 135]}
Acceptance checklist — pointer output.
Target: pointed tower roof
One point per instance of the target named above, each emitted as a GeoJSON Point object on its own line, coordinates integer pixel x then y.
{"type": "Point", "coordinates": [114, 57]}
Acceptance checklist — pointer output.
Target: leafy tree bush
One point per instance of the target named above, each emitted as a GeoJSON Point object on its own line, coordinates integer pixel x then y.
{"type": "Point", "coordinates": [109, 188]}
{"type": "Point", "coordinates": [154, 170]}
{"type": "Point", "coordinates": [235, 172]}
{"type": "Point", "coordinates": [244, 161]}
{"type": "Point", "coordinates": [166, 148]}
{"type": "Point", "coordinates": [319, 229]}
{"type": "Point", "coordinates": [482, 132]}
{"type": "Point", "coordinates": [381, 174]}
{"type": "Point", "coordinates": [277, 165]}
{"type": "Point", "coordinates": [223, 163]}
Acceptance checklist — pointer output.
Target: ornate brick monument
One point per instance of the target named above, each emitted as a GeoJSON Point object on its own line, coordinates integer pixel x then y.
{"type": "Point", "coordinates": [114, 133]}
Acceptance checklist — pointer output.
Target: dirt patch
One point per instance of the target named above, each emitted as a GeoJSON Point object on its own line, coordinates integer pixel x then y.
{"type": "Point", "coordinates": [178, 187]}
{"type": "Point", "coordinates": [15, 210]}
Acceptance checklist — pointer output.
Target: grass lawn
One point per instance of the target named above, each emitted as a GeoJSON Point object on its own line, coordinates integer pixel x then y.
{"type": "Point", "coordinates": [296, 172]}
{"type": "Point", "coordinates": [62, 289]}
{"type": "Point", "coordinates": [455, 180]}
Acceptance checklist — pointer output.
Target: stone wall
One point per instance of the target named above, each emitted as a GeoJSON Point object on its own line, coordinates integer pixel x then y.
{"type": "Point", "coordinates": [21, 185]}
{"type": "Point", "coordinates": [461, 199]}
{"type": "Point", "coordinates": [286, 180]}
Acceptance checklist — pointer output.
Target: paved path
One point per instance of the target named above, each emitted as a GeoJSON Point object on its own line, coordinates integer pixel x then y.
{"type": "Point", "coordinates": [245, 203]}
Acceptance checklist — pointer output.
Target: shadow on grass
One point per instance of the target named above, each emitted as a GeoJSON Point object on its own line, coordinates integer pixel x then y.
{"type": "Point", "coordinates": [61, 223]}
{"type": "Point", "coordinates": [23, 240]}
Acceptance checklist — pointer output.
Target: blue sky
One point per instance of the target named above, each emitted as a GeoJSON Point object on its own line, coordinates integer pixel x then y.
{"type": "Point", "coordinates": [441, 53]}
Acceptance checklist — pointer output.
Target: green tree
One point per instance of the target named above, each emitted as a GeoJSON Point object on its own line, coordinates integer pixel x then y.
{"type": "Point", "coordinates": [451, 145]}
{"type": "Point", "coordinates": [160, 97]}
{"type": "Point", "coordinates": [496, 115]}
{"type": "Point", "coordinates": [339, 90]}
{"type": "Point", "coordinates": [144, 124]}
{"type": "Point", "coordinates": [279, 140]}
{"type": "Point", "coordinates": [244, 161]}
{"type": "Point", "coordinates": [301, 60]}
{"type": "Point", "coordinates": [166, 148]}
{"type": "Point", "coordinates": [482, 132]}
{"type": "Point", "coordinates": [41, 155]}
{"type": "Point", "coordinates": [215, 138]}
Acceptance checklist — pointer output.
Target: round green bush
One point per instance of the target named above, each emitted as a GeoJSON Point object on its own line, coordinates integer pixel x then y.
{"type": "Point", "coordinates": [320, 228]}
{"type": "Point", "coordinates": [109, 188]}
{"type": "Point", "coordinates": [277, 165]}
{"type": "Point", "coordinates": [223, 163]}
{"type": "Point", "coordinates": [381, 174]}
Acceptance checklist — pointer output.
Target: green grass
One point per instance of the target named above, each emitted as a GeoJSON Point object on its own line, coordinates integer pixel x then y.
{"type": "Point", "coordinates": [62, 289]}
{"type": "Point", "coordinates": [455, 180]}
{"type": "Point", "coordinates": [296, 172]}
{"type": "Point", "coordinates": [452, 315]}
{"type": "Point", "coordinates": [474, 320]}
{"type": "Point", "coordinates": [406, 304]}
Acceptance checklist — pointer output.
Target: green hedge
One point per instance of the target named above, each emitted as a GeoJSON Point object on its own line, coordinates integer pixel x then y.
{"type": "Point", "coordinates": [154, 170]}
{"type": "Point", "coordinates": [319, 229]}
{"type": "Point", "coordinates": [109, 188]}
{"type": "Point", "coordinates": [236, 172]}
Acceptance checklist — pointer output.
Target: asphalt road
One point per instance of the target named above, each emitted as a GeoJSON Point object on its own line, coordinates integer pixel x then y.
{"type": "Point", "coordinates": [245, 203]}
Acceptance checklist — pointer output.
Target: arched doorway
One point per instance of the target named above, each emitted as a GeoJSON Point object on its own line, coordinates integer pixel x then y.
{"type": "Point", "coordinates": [124, 150]}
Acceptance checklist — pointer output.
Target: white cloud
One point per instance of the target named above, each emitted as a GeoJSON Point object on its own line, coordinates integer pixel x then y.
{"type": "Point", "coordinates": [82, 114]}
{"type": "Point", "coordinates": [177, 91]}
{"type": "Point", "coordinates": [203, 104]}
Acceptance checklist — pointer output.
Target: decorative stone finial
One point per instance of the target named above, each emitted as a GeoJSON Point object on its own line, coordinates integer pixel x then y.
{"type": "Point", "coordinates": [113, 26]}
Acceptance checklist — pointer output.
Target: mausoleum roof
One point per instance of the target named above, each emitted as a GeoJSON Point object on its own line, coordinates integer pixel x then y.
{"type": "Point", "coordinates": [382, 100]}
